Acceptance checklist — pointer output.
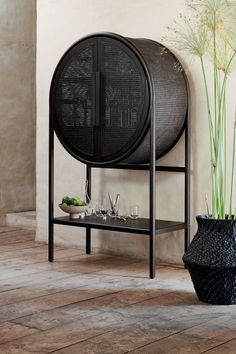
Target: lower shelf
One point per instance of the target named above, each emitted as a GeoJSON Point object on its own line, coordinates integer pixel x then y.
{"type": "Point", "coordinates": [138, 226]}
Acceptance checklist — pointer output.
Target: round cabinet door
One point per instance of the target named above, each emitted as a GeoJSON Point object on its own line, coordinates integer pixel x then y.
{"type": "Point", "coordinates": [99, 100]}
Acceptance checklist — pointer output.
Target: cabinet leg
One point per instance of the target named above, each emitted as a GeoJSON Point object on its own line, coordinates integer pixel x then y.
{"type": "Point", "coordinates": [152, 256]}
{"type": "Point", "coordinates": [186, 241]}
{"type": "Point", "coordinates": [50, 242]}
{"type": "Point", "coordinates": [88, 240]}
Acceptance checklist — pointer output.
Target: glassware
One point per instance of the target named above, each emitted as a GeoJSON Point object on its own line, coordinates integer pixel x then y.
{"type": "Point", "coordinates": [104, 207]}
{"type": "Point", "coordinates": [86, 198]}
{"type": "Point", "coordinates": [134, 212]}
{"type": "Point", "coordinates": [97, 210]}
{"type": "Point", "coordinates": [114, 205]}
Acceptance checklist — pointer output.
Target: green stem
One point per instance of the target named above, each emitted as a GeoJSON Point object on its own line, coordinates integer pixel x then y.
{"type": "Point", "coordinates": [223, 160]}
{"type": "Point", "coordinates": [232, 170]}
{"type": "Point", "coordinates": [225, 155]}
{"type": "Point", "coordinates": [220, 156]}
{"type": "Point", "coordinates": [211, 136]}
{"type": "Point", "coordinates": [220, 143]}
{"type": "Point", "coordinates": [216, 172]}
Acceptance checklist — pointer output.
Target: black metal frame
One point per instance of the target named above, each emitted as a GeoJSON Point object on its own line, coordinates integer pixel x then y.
{"type": "Point", "coordinates": [151, 226]}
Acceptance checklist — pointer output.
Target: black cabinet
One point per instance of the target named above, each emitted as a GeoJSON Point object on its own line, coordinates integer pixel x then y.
{"type": "Point", "coordinates": [120, 103]}
{"type": "Point", "coordinates": [100, 100]}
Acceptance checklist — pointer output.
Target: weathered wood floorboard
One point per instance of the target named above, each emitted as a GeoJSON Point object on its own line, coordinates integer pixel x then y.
{"type": "Point", "coordinates": [101, 304]}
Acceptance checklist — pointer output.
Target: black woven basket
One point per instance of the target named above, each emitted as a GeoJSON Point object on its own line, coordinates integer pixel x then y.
{"type": "Point", "coordinates": [213, 284]}
{"type": "Point", "coordinates": [211, 261]}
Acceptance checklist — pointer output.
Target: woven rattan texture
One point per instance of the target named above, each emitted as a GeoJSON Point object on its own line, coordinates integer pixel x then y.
{"type": "Point", "coordinates": [101, 121]}
{"type": "Point", "coordinates": [214, 243]}
{"type": "Point", "coordinates": [214, 284]}
{"type": "Point", "coordinates": [211, 260]}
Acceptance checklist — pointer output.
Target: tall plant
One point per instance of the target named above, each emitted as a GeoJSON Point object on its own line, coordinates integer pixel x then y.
{"type": "Point", "coordinates": [210, 33]}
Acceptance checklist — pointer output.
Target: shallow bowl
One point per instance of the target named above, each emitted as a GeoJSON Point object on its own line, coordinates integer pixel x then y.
{"type": "Point", "coordinates": [73, 210]}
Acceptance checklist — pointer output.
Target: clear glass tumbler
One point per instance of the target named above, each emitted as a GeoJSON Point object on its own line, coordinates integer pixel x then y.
{"type": "Point", "coordinates": [134, 212]}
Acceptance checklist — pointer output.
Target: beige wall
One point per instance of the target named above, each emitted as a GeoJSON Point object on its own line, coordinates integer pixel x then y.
{"type": "Point", "coordinates": [17, 105]}
{"type": "Point", "coordinates": [62, 22]}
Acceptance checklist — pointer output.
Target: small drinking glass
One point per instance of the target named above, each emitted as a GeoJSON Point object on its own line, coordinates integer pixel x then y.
{"type": "Point", "coordinates": [104, 207]}
{"type": "Point", "coordinates": [96, 209]}
{"type": "Point", "coordinates": [134, 212]}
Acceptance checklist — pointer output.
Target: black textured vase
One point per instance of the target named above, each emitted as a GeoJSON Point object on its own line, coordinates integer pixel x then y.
{"type": "Point", "coordinates": [211, 260]}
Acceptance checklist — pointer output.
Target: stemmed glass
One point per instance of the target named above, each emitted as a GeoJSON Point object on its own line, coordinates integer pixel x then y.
{"type": "Point", "coordinates": [104, 207]}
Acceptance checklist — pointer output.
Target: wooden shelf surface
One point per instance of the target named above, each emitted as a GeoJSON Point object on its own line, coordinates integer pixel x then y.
{"type": "Point", "coordinates": [138, 226]}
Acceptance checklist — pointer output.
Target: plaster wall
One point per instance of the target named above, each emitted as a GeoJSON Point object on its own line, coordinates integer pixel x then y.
{"type": "Point", "coordinates": [60, 23]}
{"type": "Point", "coordinates": [17, 105]}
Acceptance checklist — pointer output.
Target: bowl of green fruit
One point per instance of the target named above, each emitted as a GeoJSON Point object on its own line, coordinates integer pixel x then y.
{"type": "Point", "coordinates": [73, 206]}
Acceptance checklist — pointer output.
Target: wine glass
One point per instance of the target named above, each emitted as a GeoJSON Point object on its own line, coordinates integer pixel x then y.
{"type": "Point", "coordinates": [104, 207]}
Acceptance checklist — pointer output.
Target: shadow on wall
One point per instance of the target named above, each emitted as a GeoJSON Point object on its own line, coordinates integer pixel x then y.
{"type": "Point", "coordinates": [18, 106]}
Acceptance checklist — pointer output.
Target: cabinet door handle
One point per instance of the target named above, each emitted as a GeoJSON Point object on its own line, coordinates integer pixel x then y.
{"type": "Point", "coordinates": [97, 120]}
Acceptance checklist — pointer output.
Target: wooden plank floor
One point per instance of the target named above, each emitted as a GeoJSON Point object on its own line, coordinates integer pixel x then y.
{"type": "Point", "coordinates": [100, 304]}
